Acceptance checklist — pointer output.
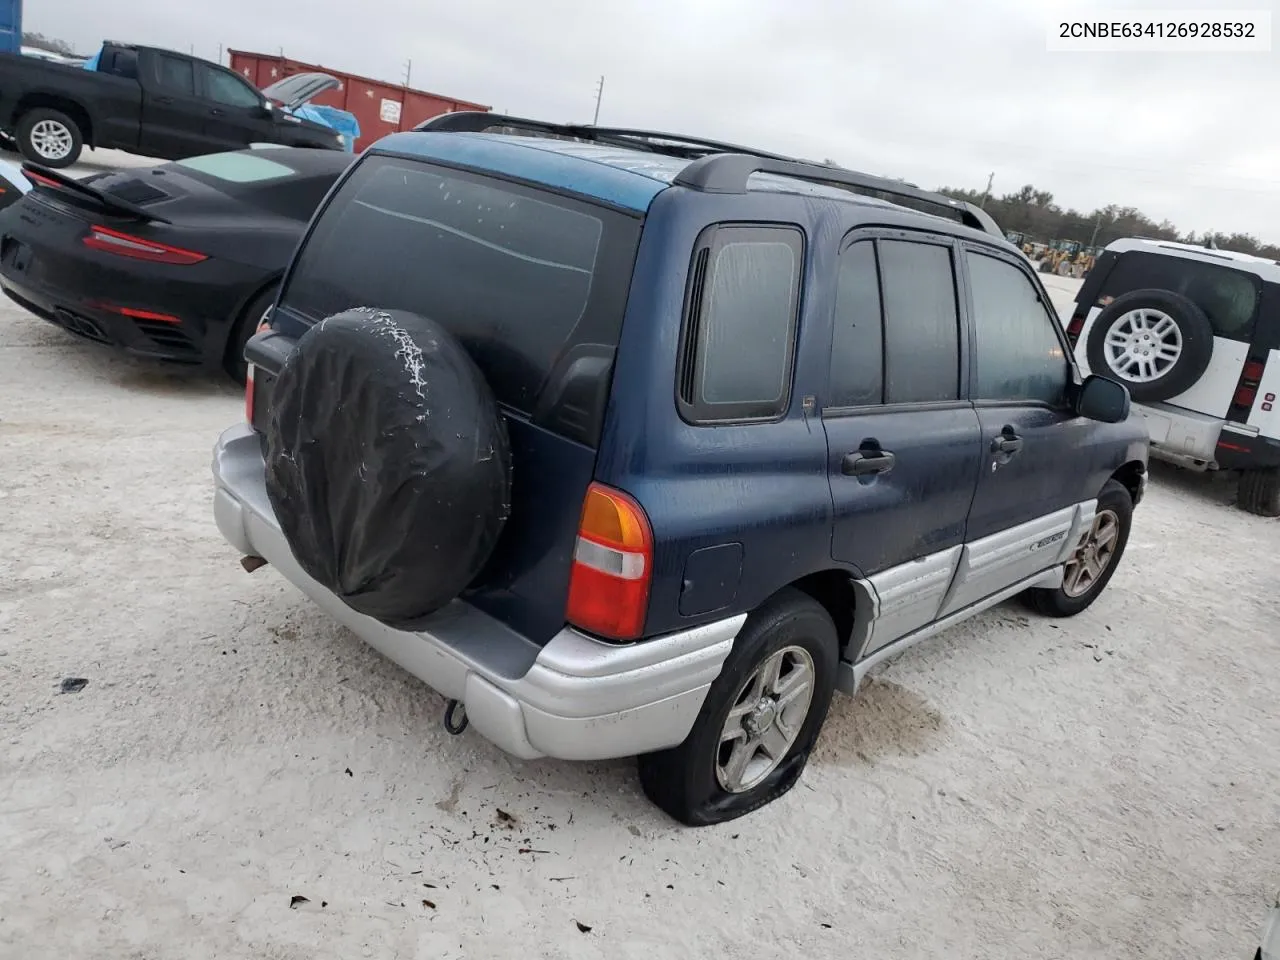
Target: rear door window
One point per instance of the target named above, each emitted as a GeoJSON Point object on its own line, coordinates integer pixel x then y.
{"type": "Point", "coordinates": [921, 322]}
{"type": "Point", "coordinates": [522, 277]}
{"type": "Point", "coordinates": [857, 342]}
{"type": "Point", "coordinates": [1228, 297]}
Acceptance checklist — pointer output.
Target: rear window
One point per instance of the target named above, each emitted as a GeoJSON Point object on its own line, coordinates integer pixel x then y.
{"type": "Point", "coordinates": [1228, 297]}
{"type": "Point", "coordinates": [528, 280]}
{"type": "Point", "coordinates": [237, 167]}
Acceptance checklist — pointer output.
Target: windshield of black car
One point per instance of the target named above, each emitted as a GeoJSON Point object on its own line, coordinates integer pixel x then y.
{"type": "Point", "coordinates": [519, 275]}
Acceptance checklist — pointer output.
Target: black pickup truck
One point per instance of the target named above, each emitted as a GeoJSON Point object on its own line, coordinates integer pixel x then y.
{"type": "Point", "coordinates": [147, 101]}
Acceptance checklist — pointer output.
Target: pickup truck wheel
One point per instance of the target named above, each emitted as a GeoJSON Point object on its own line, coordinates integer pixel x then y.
{"type": "Point", "coordinates": [760, 720]}
{"type": "Point", "coordinates": [1094, 560]}
{"type": "Point", "coordinates": [50, 138]}
{"type": "Point", "coordinates": [1260, 491]}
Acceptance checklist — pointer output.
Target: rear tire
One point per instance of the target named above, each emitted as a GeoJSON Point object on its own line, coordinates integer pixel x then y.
{"type": "Point", "coordinates": [50, 138]}
{"type": "Point", "coordinates": [1260, 491]}
{"type": "Point", "coordinates": [233, 361]}
{"type": "Point", "coordinates": [689, 781]}
{"type": "Point", "coordinates": [1085, 579]}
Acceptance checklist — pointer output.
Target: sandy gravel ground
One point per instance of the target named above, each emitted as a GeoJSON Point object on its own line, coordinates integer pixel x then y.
{"type": "Point", "coordinates": [1102, 787]}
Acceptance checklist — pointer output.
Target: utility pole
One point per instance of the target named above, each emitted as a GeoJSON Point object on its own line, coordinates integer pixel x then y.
{"type": "Point", "coordinates": [1096, 224]}
{"type": "Point", "coordinates": [599, 96]}
{"type": "Point", "coordinates": [987, 196]}
{"type": "Point", "coordinates": [219, 54]}
{"type": "Point", "coordinates": [408, 72]}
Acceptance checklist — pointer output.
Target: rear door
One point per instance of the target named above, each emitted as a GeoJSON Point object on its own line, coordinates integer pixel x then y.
{"type": "Point", "coordinates": [1036, 453]}
{"type": "Point", "coordinates": [234, 113]}
{"type": "Point", "coordinates": [902, 439]}
{"type": "Point", "coordinates": [173, 112]}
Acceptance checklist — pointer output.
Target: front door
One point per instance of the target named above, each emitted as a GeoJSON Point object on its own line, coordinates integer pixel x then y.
{"type": "Point", "coordinates": [903, 445]}
{"type": "Point", "coordinates": [1036, 456]}
{"type": "Point", "coordinates": [235, 114]}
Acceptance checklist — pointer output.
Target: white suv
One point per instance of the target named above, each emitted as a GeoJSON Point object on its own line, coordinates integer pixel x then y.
{"type": "Point", "coordinates": [1194, 334]}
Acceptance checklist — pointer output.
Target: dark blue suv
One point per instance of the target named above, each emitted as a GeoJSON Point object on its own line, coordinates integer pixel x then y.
{"type": "Point", "coordinates": [636, 444]}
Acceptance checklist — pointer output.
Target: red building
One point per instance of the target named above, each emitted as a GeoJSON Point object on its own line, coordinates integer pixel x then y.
{"type": "Point", "coordinates": [381, 108]}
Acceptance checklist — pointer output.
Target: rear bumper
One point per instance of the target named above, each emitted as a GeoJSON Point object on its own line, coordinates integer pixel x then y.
{"type": "Point", "coordinates": [575, 698]}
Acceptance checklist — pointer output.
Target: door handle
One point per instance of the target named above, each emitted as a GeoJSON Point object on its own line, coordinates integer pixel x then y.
{"type": "Point", "coordinates": [1007, 443]}
{"type": "Point", "coordinates": [865, 463]}
{"type": "Point", "coordinates": [164, 99]}
{"type": "Point", "coordinates": [216, 111]}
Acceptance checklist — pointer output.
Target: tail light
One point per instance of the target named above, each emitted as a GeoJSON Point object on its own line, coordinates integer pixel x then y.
{"type": "Point", "coordinates": [612, 566]}
{"type": "Point", "coordinates": [1074, 327]}
{"type": "Point", "coordinates": [248, 394]}
{"type": "Point", "coordinates": [1247, 389]}
{"type": "Point", "coordinates": [113, 241]}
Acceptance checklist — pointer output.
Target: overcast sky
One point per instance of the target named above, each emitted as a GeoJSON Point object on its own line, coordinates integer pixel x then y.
{"type": "Point", "coordinates": [937, 91]}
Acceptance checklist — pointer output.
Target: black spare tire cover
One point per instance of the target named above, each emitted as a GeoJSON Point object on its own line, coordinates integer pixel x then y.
{"type": "Point", "coordinates": [387, 462]}
{"type": "Point", "coordinates": [1143, 313]}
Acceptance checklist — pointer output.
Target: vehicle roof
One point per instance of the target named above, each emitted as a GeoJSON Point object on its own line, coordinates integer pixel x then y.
{"type": "Point", "coordinates": [614, 174]}
{"type": "Point", "coordinates": [1261, 267]}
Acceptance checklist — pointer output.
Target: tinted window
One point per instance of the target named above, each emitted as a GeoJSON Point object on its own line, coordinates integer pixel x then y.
{"type": "Point", "coordinates": [519, 275]}
{"type": "Point", "coordinates": [1017, 353]}
{"type": "Point", "coordinates": [1228, 297]}
{"type": "Point", "coordinates": [227, 88]}
{"type": "Point", "coordinates": [121, 63]}
{"type": "Point", "coordinates": [921, 336]}
{"type": "Point", "coordinates": [175, 75]}
{"type": "Point", "coordinates": [237, 167]}
{"type": "Point", "coordinates": [744, 290]}
{"type": "Point", "coordinates": [857, 342]}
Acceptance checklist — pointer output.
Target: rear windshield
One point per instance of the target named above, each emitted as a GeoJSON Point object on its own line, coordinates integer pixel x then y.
{"type": "Point", "coordinates": [1228, 297]}
{"type": "Point", "coordinates": [524, 278]}
{"type": "Point", "coordinates": [237, 167]}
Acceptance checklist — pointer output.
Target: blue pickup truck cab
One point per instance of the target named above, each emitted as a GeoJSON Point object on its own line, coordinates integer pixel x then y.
{"type": "Point", "coordinates": [635, 444]}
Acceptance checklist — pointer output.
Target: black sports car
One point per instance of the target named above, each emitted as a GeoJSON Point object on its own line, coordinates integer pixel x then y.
{"type": "Point", "coordinates": [179, 261]}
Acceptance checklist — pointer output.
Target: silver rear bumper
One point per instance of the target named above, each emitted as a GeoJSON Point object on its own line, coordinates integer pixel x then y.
{"type": "Point", "coordinates": [575, 698]}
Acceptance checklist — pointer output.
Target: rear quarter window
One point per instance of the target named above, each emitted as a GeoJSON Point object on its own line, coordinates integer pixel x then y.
{"type": "Point", "coordinates": [1229, 298]}
{"type": "Point", "coordinates": [523, 277]}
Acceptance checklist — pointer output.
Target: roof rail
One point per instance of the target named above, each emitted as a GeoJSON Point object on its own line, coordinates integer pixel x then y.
{"type": "Point", "coordinates": [673, 144]}
{"type": "Point", "coordinates": [729, 173]}
{"type": "Point", "coordinates": [719, 167]}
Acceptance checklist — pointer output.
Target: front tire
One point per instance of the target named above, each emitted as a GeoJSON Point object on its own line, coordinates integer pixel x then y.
{"type": "Point", "coordinates": [1260, 491]}
{"type": "Point", "coordinates": [49, 137]}
{"type": "Point", "coordinates": [1091, 566]}
{"type": "Point", "coordinates": [750, 742]}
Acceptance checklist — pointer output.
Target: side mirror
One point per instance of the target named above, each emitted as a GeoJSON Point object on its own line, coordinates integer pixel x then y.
{"type": "Point", "coordinates": [267, 109]}
{"type": "Point", "coordinates": [1106, 401]}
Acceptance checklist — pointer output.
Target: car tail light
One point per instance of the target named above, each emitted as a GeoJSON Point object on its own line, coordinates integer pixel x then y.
{"type": "Point", "coordinates": [248, 394]}
{"type": "Point", "coordinates": [1247, 389]}
{"type": "Point", "coordinates": [612, 566]}
{"type": "Point", "coordinates": [113, 241]}
{"type": "Point", "coordinates": [1075, 326]}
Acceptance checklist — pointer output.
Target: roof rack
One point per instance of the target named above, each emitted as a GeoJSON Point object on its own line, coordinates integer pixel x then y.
{"type": "Point", "coordinates": [720, 167]}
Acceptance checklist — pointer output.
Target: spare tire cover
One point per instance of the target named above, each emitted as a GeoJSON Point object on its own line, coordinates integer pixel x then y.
{"type": "Point", "coordinates": [387, 462]}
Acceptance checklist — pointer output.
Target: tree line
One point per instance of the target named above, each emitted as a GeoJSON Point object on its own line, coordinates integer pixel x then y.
{"type": "Point", "coordinates": [1033, 212]}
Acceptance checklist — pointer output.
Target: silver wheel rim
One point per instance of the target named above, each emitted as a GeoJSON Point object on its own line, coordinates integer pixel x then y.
{"type": "Point", "coordinates": [1093, 555]}
{"type": "Point", "coordinates": [1143, 345]}
{"type": "Point", "coordinates": [52, 140]}
{"type": "Point", "coordinates": [765, 720]}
